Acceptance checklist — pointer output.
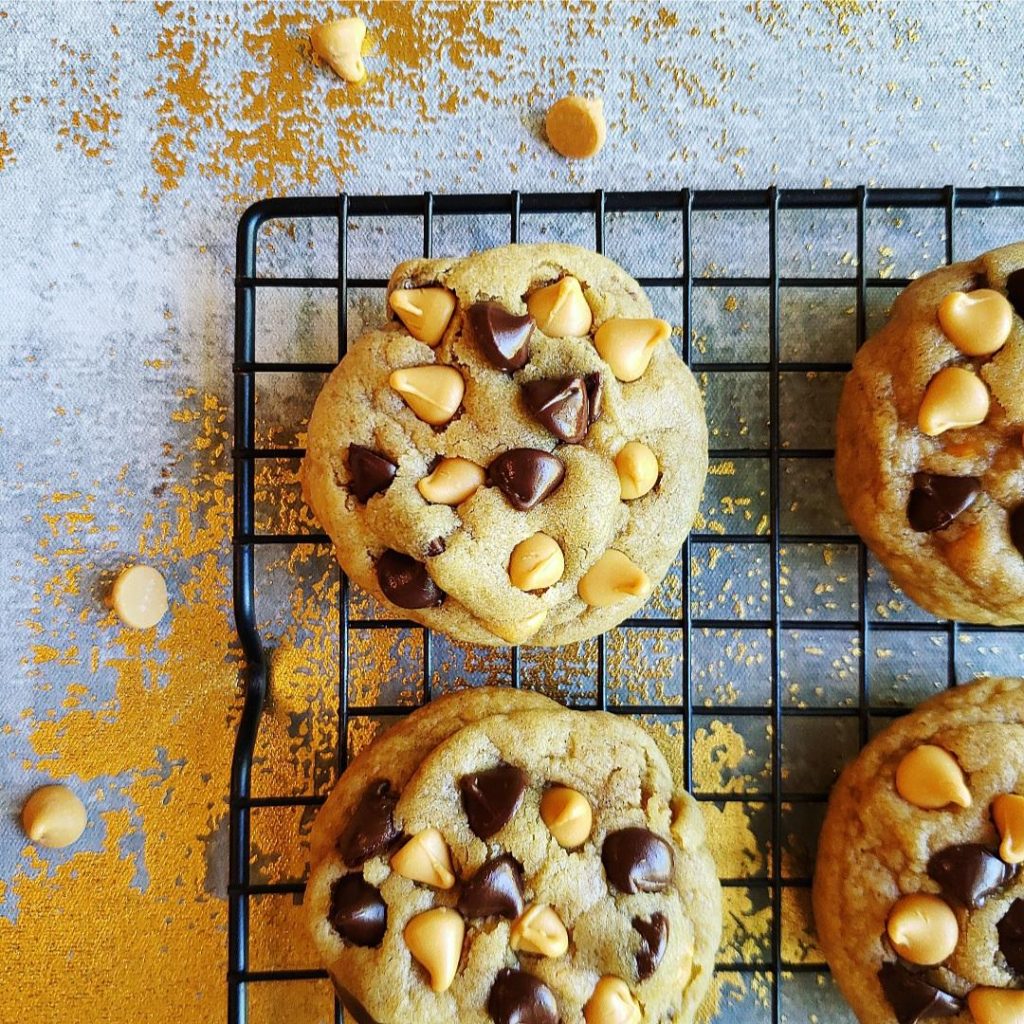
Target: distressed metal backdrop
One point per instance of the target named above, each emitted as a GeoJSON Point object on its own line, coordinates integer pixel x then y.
{"type": "Point", "coordinates": [131, 139]}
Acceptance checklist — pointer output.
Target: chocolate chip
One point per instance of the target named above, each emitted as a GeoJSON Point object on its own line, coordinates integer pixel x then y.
{"type": "Point", "coordinates": [636, 860]}
{"type": "Point", "coordinates": [369, 472]}
{"type": "Point", "coordinates": [560, 404]}
{"type": "Point", "coordinates": [913, 998]}
{"type": "Point", "coordinates": [503, 337]}
{"type": "Point", "coordinates": [372, 828]}
{"type": "Point", "coordinates": [1011, 936]}
{"type": "Point", "coordinates": [490, 798]}
{"type": "Point", "coordinates": [653, 941]}
{"type": "Point", "coordinates": [358, 914]}
{"type": "Point", "coordinates": [595, 396]}
{"type": "Point", "coordinates": [406, 582]}
{"type": "Point", "coordinates": [936, 500]}
{"type": "Point", "coordinates": [436, 547]}
{"type": "Point", "coordinates": [969, 873]}
{"type": "Point", "coordinates": [1017, 528]}
{"type": "Point", "coordinates": [1015, 290]}
{"type": "Point", "coordinates": [526, 476]}
{"type": "Point", "coordinates": [520, 998]}
{"type": "Point", "coordinates": [496, 890]}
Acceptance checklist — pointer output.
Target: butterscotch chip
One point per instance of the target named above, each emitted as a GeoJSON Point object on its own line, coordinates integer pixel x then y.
{"type": "Point", "coordinates": [433, 392]}
{"type": "Point", "coordinates": [627, 344]}
{"type": "Point", "coordinates": [561, 309]}
{"type": "Point", "coordinates": [435, 939]}
{"type": "Point", "coordinates": [923, 929]}
{"type": "Point", "coordinates": [452, 481]}
{"type": "Point", "coordinates": [139, 596]}
{"type": "Point", "coordinates": [996, 1005]}
{"type": "Point", "coordinates": [425, 858]}
{"type": "Point", "coordinates": [929, 777]}
{"type": "Point", "coordinates": [426, 312]}
{"type": "Point", "coordinates": [539, 930]}
{"type": "Point", "coordinates": [955, 398]}
{"type": "Point", "coordinates": [977, 322]}
{"type": "Point", "coordinates": [613, 578]}
{"type": "Point", "coordinates": [638, 470]}
{"type": "Point", "coordinates": [568, 816]}
{"type": "Point", "coordinates": [576, 127]}
{"type": "Point", "coordinates": [54, 817]}
{"type": "Point", "coordinates": [536, 563]}
{"type": "Point", "coordinates": [340, 43]}
{"type": "Point", "coordinates": [1008, 817]}
{"type": "Point", "coordinates": [612, 1003]}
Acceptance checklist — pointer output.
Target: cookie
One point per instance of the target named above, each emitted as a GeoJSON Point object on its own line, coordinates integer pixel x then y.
{"type": "Point", "coordinates": [929, 454]}
{"type": "Point", "coordinates": [395, 754]}
{"type": "Point", "coordinates": [918, 893]}
{"type": "Point", "coordinates": [518, 457]}
{"type": "Point", "coordinates": [563, 879]}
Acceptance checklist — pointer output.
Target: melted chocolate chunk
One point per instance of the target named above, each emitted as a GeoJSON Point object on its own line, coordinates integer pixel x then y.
{"type": "Point", "coordinates": [526, 476]}
{"type": "Point", "coordinates": [1017, 528]}
{"type": "Point", "coordinates": [496, 890]}
{"type": "Point", "coordinates": [520, 998]}
{"type": "Point", "coordinates": [1011, 936]}
{"type": "Point", "coordinates": [369, 472]}
{"type": "Point", "coordinates": [1015, 290]}
{"type": "Point", "coordinates": [357, 914]}
{"type": "Point", "coordinates": [406, 582]}
{"type": "Point", "coordinates": [502, 337]}
{"type": "Point", "coordinates": [595, 396]}
{"type": "Point", "coordinates": [490, 798]}
{"type": "Point", "coordinates": [913, 998]}
{"type": "Point", "coordinates": [937, 500]}
{"type": "Point", "coordinates": [560, 404]}
{"type": "Point", "coordinates": [372, 828]}
{"type": "Point", "coordinates": [636, 860]}
{"type": "Point", "coordinates": [436, 547]}
{"type": "Point", "coordinates": [653, 941]}
{"type": "Point", "coordinates": [969, 873]}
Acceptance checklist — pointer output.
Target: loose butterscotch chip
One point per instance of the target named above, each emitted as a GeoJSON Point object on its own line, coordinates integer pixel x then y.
{"type": "Point", "coordinates": [539, 930]}
{"type": "Point", "coordinates": [433, 392]}
{"type": "Point", "coordinates": [613, 577]}
{"type": "Point", "coordinates": [923, 929]}
{"type": "Point", "coordinates": [53, 817]}
{"type": "Point", "coordinates": [638, 470]}
{"type": "Point", "coordinates": [452, 482]}
{"type": "Point", "coordinates": [627, 345]}
{"type": "Point", "coordinates": [955, 398]}
{"type": "Point", "coordinates": [340, 43]}
{"type": "Point", "coordinates": [435, 939]}
{"type": "Point", "coordinates": [426, 312]}
{"type": "Point", "coordinates": [425, 858]}
{"type": "Point", "coordinates": [576, 127]}
{"type": "Point", "coordinates": [536, 563]}
{"type": "Point", "coordinates": [139, 596]}
{"type": "Point", "coordinates": [1008, 816]}
{"type": "Point", "coordinates": [977, 322]}
{"type": "Point", "coordinates": [568, 816]}
{"type": "Point", "coordinates": [612, 1003]}
{"type": "Point", "coordinates": [561, 310]}
{"type": "Point", "coordinates": [930, 778]}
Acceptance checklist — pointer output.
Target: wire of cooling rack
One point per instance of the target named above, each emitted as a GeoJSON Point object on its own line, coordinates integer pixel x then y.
{"type": "Point", "coordinates": [684, 203]}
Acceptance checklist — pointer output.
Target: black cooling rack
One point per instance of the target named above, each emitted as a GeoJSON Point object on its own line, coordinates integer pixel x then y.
{"type": "Point", "coordinates": [515, 206]}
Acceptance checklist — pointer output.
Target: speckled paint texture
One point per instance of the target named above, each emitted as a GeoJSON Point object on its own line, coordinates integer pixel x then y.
{"type": "Point", "coordinates": [131, 138]}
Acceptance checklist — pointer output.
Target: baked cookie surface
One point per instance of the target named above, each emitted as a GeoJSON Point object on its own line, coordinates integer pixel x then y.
{"type": "Point", "coordinates": [929, 454]}
{"type": "Point", "coordinates": [525, 473]}
{"type": "Point", "coordinates": [918, 893]}
{"type": "Point", "coordinates": [538, 866]}
{"type": "Point", "coordinates": [395, 754]}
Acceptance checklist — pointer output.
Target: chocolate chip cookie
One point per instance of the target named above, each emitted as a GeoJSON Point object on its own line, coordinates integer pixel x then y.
{"type": "Point", "coordinates": [918, 894]}
{"type": "Point", "coordinates": [538, 866]}
{"type": "Point", "coordinates": [929, 459]}
{"type": "Point", "coordinates": [395, 754]}
{"type": "Point", "coordinates": [518, 456]}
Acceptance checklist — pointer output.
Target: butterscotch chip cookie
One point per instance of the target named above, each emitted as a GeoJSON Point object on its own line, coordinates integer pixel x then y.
{"type": "Point", "coordinates": [396, 753]}
{"type": "Point", "coordinates": [918, 894]}
{"type": "Point", "coordinates": [518, 457]}
{"type": "Point", "coordinates": [929, 454]}
{"type": "Point", "coordinates": [538, 866]}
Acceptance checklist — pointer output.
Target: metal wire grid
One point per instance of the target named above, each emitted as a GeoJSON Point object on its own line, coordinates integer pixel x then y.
{"type": "Point", "coordinates": [514, 205]}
